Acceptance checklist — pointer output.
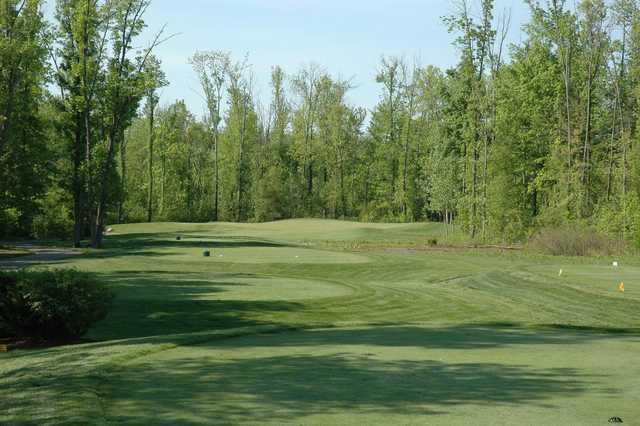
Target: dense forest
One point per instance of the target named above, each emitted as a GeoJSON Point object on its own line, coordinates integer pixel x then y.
{"type": "Point", "coordinates": [513, 139]}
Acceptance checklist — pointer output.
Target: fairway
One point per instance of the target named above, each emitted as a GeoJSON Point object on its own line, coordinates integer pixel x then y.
{"type": "Point", "coordinates": [330, 322]}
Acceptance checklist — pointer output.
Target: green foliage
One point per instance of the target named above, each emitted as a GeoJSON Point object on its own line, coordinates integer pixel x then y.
{"type": "Point", "coordinates": [620, 218]}
{"type": "Point", "coordinates": [51, 304]}
{"type": "Point", "coordinates": [9, 222]}
{"type": "Point", "coordinates": [54, 219]}
{"type": "Point", "coordinates": [501, 145]}
{"type": "Point", "coordinates": [24, 152]}
{"type": "Point", "coordinates": [102, 80]}
{"type": "Point", "coordinates": [238, 142]}
{"type": "Point", "coordinates": [270, 200]}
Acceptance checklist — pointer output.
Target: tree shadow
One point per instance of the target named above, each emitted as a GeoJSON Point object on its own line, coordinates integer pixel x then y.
{"type": "Point", "coordinates": [463, 337]}
{"type": "Point", "coordinates": [192, 390]}
{"type": "Point", "coordinates": [152, 304]}
{"type": "Point", "coordinates": [188, 239]}
{"type": "Point", "coordinates": [249, 378]}
{"type": "Point", "coordinates": [144, 244]}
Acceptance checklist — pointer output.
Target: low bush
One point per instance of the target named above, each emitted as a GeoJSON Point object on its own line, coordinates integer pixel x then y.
{"type": "Point", "coordinates": [51, 304]}
{"type": "Point", "coordinates": [573, 240]}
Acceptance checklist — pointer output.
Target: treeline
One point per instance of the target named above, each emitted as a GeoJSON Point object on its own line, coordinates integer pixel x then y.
{"type": "Point", "coordinates": [510, 140]}
{"type": "Point", "coordinates": [69, 90]}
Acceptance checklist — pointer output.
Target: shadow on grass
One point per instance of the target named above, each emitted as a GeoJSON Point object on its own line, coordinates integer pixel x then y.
{"type": "Point", "coordinates": [464, 337]}
{"type": "Point", "coordinates": [263, 388]}
{"type": "Point", "coordinates": [591, 329]}
{"type": "Point", "coordinates": [156, 303]}
{"type": "Point", "coordinates": [256, 378]}
{"type": "Point", "coordinates": [143, 245]}
{"type": "Point", "coordinates": [122, 245]}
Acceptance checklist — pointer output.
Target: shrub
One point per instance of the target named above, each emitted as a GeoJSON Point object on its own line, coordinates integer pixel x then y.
{"type": "Point", "coordinates": [573, 240]}
{"type": "Point", "coordinates": [51, 304]}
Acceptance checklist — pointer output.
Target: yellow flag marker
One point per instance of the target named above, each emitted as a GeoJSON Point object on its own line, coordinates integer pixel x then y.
{"type": "Point", "coordinates": [621, 287]}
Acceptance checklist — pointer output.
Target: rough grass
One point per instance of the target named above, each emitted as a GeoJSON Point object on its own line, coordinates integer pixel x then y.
{"type": "Point", "coordinates": [292, 325]}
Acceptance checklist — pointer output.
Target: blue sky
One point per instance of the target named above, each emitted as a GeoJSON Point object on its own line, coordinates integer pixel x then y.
{"type": "Point", "coordinates": [347, 37]}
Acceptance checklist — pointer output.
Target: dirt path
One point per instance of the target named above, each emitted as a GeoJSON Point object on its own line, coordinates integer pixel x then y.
{"type": "Point", "coordinates": [39, 256]}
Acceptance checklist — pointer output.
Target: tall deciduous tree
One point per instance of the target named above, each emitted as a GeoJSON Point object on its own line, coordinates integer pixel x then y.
{"type": "Point", "coordinates": [23, 148]}
{"type": "Point", "coordinates": [154, 80]}
{"type": "Point", "coordinates": [212, 69]}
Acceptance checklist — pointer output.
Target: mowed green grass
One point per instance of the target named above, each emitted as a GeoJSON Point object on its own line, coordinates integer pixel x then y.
{"type": "Point", "coordinates": [328, 322]}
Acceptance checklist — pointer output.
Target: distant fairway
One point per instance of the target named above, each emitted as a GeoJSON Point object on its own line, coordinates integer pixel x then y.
{"type": "Point", "coordinates": [328, 322]}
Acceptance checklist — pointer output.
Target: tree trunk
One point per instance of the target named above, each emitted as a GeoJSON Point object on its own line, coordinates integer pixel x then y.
{"type": "Point", "coordinates": [406, 154]}
{"type": "Point", "coordinates": [123, 180]}
{"type": "Point", "coordinates": [567, 94]}
{"type": "Point", "coordinates": [611, 150]}
{"type": "Point", "coordinates": [343, 198]}
{"type": "Point", "coordinates": [98, 225]}
{"type": "Point", "coordinates": [485, 177]}
{"type": "Point", "coordinates": [474, 191]}
{"type": "Point", "coordinates": [78, 187]}
{"type": "Point", "coordinates": [150, 171]}
{"type": "Point", "coordinates": [86, 114]}
{"type": "Point", "coordinates": [163, 182]}
{"type": "Point", "coordinates": [217, 183]}
{"type": "Point", "coordinates": [216, 147]}
{"type": "Point", "coordinates": [310, 181]}
{"type": "Point", "coordinates": [239, 181]}
{"type": "Point", "coordinates": [586, 148]}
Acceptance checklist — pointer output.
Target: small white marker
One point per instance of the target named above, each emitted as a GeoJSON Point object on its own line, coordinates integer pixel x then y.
{"type": "Point", "coordinates": [560, 273]}
{"type": "Point", "coordinates": [615, 264]}
{"type": "Point", "coordinates": [297, 257]}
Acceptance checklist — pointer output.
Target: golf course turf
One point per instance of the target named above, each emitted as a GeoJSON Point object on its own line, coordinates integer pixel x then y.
{"type": "Point", "coordinates": [337, 323]}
